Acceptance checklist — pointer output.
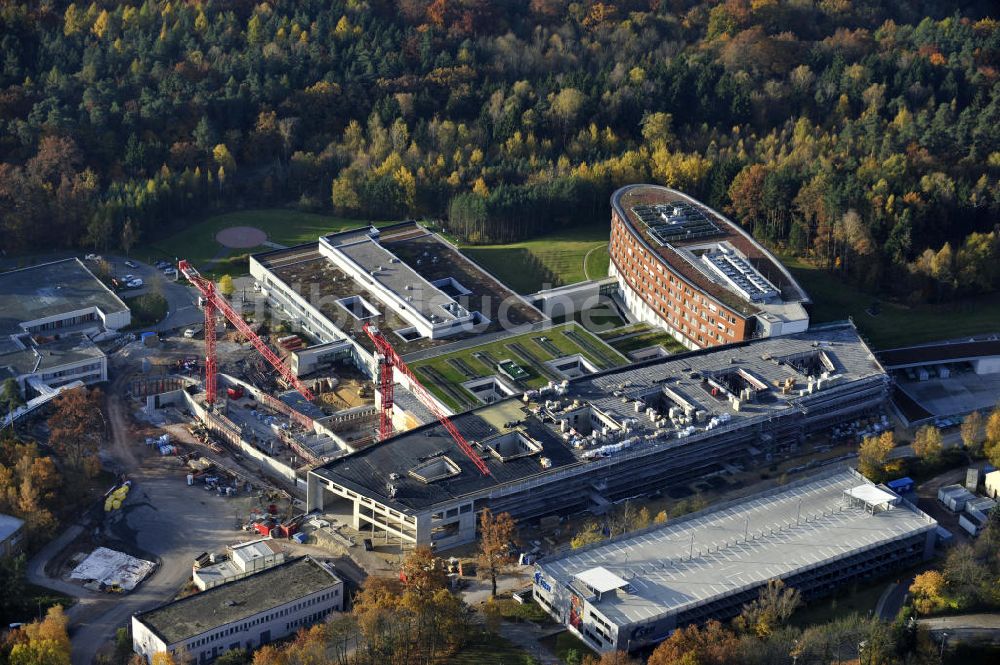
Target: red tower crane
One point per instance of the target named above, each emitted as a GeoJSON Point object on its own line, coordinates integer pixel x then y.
{"type": "Point", "coordinates": [387, 360]}
{"type": "Point", "coordinates": [214, 301]}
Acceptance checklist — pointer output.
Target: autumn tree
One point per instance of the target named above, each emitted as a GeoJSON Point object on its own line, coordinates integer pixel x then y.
{"type": "Point", "coordinates": [46, 643]}
{"type": "Point", "coordinates": [10, 395]}
{"type": "Point", "coordinates": [77, 426]}
{"type": "Point", "coordinates": [992, 437]}
{"type": "Point", "coordinates": [612, 658]}
{"type": "Point", "coordinates": [928, 591]}
{"type": "Point", "coordinates": [968, 578]}
{"type": "Point", "coordinates": [129, 236]}
{"type": "Point", "coordinates": [29, 487]}
{"type": "Point", "coordinates": [972, 431]}
{"type": "Point", "coordinates": [497, 536]}
{"type": "Point", "coordinates": [772, 608]}
{"type": "Point", "coordinates": [588, 534]}
{"type": "Point", "coordinates": [710, 644]}
{"type": "Point", "coordinates": [873, 456]}
{"type": "Point", "coordinates": [226, 287]}
{"type": "Point", "coordinates": [927, 444]}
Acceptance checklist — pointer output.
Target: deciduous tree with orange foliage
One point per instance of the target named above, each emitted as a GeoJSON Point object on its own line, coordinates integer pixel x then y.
{"type": "Point", "coordinates": [77, 427]}
{"type": "Point", "coordinates": [496, 535]}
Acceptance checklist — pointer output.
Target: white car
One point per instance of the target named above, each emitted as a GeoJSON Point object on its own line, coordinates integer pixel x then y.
{"type": "Point", "coordinates": [132, 264]}
{"type": "Point", "coordinates": [134, 283]}
{"type": "Point", "coordinates": [192, 331]}
{"type": "Point", "coordinates": [128, 278]}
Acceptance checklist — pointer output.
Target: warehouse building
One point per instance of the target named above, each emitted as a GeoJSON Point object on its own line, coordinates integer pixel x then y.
{"type": "Point", "coordinates": [816, 535]}
{"type": "Point", "coordinates": [590, 441]}
{"type": "Point", "coordinates": [245, 614]}
{"type": "Point", "coordinates": [49, 317]}
{"type": "Point", "coordinates": [687, 269]}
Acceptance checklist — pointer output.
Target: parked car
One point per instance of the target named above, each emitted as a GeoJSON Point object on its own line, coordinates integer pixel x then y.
{"type": "Point", "coordinates": [170, 271]}
{"type": "Point", "coordinates": [135, 283]}
{"type": "Point", "coordinates": [191, 332]}
{"type": "Point", "coordinates": [128, 278]}
{"type": "Point", "coordinates": [161, 264]}
{"type": "Point", "coordinates": [91, 257]}
{"type": "Point", "coordinates": [132, 264]}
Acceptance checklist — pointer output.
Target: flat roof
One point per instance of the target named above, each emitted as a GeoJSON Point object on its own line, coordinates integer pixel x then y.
{"type": "Point", "coordinates": [396, 276]}
{"type": "Point", "coordinates": [51, 289]}
{"type": "Point", "coordinates": [643, 207]}
{"type": "Point", "coordinates": [229, 603]}
{"type": "Point", "coordinates": [305, 271]}
{"type": "Point", "coordinates": [736, 546]}
{"type": "Point", "coordinates": [26, 355]}
{"type": "Point", "coordinates": [771, 361]}
{"type": "Point", "coordinates": [951, 350]}
{"type": "Point", "coordinates": [8, 525]}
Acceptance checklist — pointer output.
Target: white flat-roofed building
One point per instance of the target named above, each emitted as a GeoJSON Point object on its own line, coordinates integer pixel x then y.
{"type": "Point", "coordinates": [48, 315]}
{"type": "Point", "coordinates": [245, 614]}
{"type": "Point", "coordinates": [815, 534]}
{"type": "Point", "coordinates": [431, 311]}
{"type": "Point", "coordinates": [241, 560]}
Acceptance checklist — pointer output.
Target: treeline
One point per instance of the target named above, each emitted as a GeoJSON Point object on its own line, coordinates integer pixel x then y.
{"type": "Point", "coordinates": [856, 134]}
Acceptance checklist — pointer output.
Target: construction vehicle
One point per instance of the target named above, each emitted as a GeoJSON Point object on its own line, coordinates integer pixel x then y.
{"type": "Point", "coordinates": [212, 301]}
{"type": "Point", "coordinates": [388, 360]}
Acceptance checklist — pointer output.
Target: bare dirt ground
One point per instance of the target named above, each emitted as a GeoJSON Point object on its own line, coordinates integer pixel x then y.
{"type": "Point", "coordinates": [241, 237]}
{"type": "Point", "coordinates": [347, 394]}
{"type": "Point", "coordinates": [163, 520]}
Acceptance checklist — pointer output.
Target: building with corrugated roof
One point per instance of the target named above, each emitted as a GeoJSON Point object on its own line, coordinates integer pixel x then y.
{"type": "Point", "coordinates": [816, 535]}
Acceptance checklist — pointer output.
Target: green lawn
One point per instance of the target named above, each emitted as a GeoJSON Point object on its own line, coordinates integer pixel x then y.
{"type": "Point", "coordinates": [553, 259]}
{"type": "Point", "coordinates": [896, 325]}
{"type": "Point", "coordinates": [645, 340]}
{"type": "Point", "coordinates": [562, 643]}
{"type": "Point", "coordinates": [285, 227]}
{"type": "Point", "coordinates": [501, 350]}
{"type": "Point", "coordinates": [490, 649]}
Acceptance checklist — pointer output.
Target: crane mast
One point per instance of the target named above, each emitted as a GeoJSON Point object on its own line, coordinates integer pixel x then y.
{"type": "Point", "coordinates": [387, 360]}
{"type": "Point", "coordinates": [215, 302]}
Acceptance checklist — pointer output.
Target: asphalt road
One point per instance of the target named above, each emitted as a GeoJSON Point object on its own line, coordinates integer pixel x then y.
{"type": "Point", "coordinates": [182, 299]}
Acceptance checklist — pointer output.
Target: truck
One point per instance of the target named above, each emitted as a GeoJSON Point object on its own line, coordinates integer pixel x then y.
{"type": "Point", "coordinates": [234, 392]}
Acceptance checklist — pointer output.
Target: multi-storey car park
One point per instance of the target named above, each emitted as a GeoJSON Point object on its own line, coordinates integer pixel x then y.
{"type": "Point", "coordinates": [815, 535]}
{"type": "Point", "coordinates": [49, 314]}
{"type": "Point", "coordinates": [686, 268]}
{"type": "Point", "coordinates": [585, 442]}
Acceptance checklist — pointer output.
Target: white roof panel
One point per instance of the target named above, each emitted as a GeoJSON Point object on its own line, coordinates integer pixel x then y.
{"type": "Point", "coordinates": [600, 579]}
{"type": "Point", "coordinates": [872, 495]}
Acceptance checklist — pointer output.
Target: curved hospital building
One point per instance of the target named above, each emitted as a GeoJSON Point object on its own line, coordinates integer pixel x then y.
{"type": "Point", "coordinates": [688, 269]}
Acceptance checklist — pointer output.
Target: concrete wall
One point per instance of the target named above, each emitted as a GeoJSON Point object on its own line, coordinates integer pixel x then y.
{"type": "Point", "coordinates": [988, 365]}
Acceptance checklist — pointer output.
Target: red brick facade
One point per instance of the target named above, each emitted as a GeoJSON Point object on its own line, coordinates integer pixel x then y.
{"type": "Point", "coordinates": [686, 309]}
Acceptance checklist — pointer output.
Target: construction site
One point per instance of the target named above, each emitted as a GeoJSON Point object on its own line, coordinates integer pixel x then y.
{"type": "Point", "coordinates": [268, 398]}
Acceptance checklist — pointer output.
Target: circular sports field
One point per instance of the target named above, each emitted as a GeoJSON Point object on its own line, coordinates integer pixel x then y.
{"type": "Point", "coordinates": [241, 237]}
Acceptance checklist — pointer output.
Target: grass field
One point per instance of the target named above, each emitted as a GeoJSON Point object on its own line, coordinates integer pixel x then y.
{"type": "Point", "coordinates": [896, 325]}
{"type": "Point", "coordinates": [490, 649]}
{"type": "Point", "coordinates": [443, 368]}
{"type": "Point", "coordinates": [285, 227]}
{"type": "Point", "coordinates": [553, 259]}
{"type": "Point", "coordinates": [644, 339]}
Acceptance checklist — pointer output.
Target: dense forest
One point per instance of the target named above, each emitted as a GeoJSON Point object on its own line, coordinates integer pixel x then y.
{"type": "Point", "coordinates": [863, 135]}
